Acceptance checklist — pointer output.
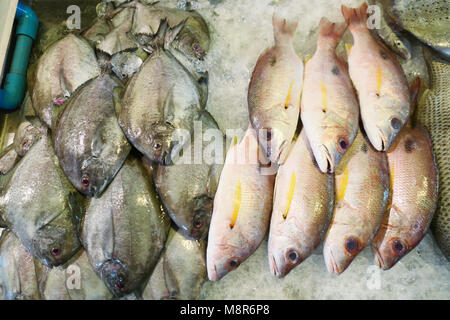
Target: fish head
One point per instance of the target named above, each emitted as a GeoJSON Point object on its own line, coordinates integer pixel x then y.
{"type": "Point", "coordinates": [190, 45]}
{"type": "Point", "coordinates": [160, 143]}
{"type": "Point", "coordinates": [26, 136]}
{"type": "Point", "coordinates": [389, 248]}
{"type": "Point", "coordinates": [329, 150]}
{"type": "Point", "coordinates": [274, 134]}
{"type": "Point", "coordinates": [284, 254]}
{"type": "Point", "coordinates": [116, 277]}
{"type": "Point", "coordinates": [343, 243]}
{"type": "Point", "coordinates": [54, 244]}
{"type": "Point", "coordinates": [198, 222]}
{"type": "Point", "coordinates": [92, 178]}
{"type": "Point", "coordinates": [384, 126]}
{"type": "Point", "coordinates": [223, 258]}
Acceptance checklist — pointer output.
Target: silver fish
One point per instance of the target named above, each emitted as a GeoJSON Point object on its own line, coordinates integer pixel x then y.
{"type": "Point", "coordinates": [89, 142]}
{"type": "Point", "coordinates": [153, 107]}
{"type": "Point", "coordinates": [187, 190]}
{"type": "Point", "coordinates": [125, 230]}
{"type": "Point", "coordinates": [40, 205]}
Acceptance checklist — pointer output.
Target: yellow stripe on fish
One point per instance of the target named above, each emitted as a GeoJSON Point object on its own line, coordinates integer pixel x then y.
{"type": "Point", "coordinates": [323, 89]}
{"type": "Point", "coordinates": [237, 203]}
{"type": "Point", "coordinates": [290, 195]}
{"type": "Point", "coordinates": [343, 186]}
{"type": "Point", "coordinates": [391, 186]}
{"type": "Point", "coordinates": [379, 79]}
{"type": "Point", "coordinates": [288, 98]}
{"type": "Point", "coordinates": [348, 47]}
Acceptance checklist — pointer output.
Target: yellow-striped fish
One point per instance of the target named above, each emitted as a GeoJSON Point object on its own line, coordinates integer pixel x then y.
{"type": "Point", "coordinates": [274, 92]}
{"type": "Point", "coordinates": [362, 195]}
{"type": "Point", "coordinates": [302, 208]}
{"type": "Point", "coordinates": [379, 80]}
{"type": "Point", "coordinates": [330, 110]}
{"type": "Point", "coordinates": [242, 207]}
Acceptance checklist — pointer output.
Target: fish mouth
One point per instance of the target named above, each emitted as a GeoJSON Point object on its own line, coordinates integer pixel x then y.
{"type": "Point", "coordinates": [382, 143]}
{"type": "Point", "coordinates": [327, 167]}
{"type": "Point", "coordinates": [213, 275]}
{"type": "Point", "coordinates": [379, 259]}
{"type": "Point", "coordinates": [115, 276]}
{"type": "Point", "coordinates": [274, 268]}
{"type": "Point", "coordinates": [331, 263]}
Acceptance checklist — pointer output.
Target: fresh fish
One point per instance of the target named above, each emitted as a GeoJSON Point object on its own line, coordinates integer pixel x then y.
{"type": "Point", "coordinates": [379, 80]}
{"type": "Point", "coordinates": [391, 36]}
{"type": "Point", "coordinates": [118, 40]}
{"type": "Point", "coordinates": [428, 20]}
{"type": "Point", "coordinates": [362, 195]}
{"type": "Point", "coordinates": [25, 136]}
{"type": "Point", "coordinates": [75, 280]}
{"type": "Point", "coordinates": [62, 68]}
{"type": "Point", "coordinates": [96, 33]}
{"type": "Point", "coordinates": [302, 208]}
{"type": "Point", "coordinates": [41, 206]}
{"type": "Point", "coordinates": [274, 93]}
{"type": "Point", "coordinates": [241, 210]}
{"type": "Point", "coordinates": [89, 142]}
{"type": "Point", "coordinates": [193, 40]}
{"type": "Point", "coordinates": [330, 111]}
{"type": "Point", "coordinates": [414, 195]}
{"type": "Point", "coordinates": [18, 277]}
{"type": "Point", "coordinates": [183, 263]}
{"type": "Point", "coordinates": [187, 189]}
{"type": "Point", "coordinates": [124, 230]}
{"type": "Point", "coordinates": [434, 112]}
{"type": "Point", "coordinates": [416, 66]}
{"type": "Point", "coordinates": [154, 107]}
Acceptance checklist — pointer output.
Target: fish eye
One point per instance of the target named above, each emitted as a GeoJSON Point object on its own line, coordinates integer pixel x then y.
{"type": "Point", "coordinates": [342, 144]}
{"type": "Point", "coordinates": [55, 252]}
{"type": "Point", "coordinates": [293, 256]}
{"type": "Point", "coordinates": [85, 181]}
{"type": "Point", "coordinates": [396, 123]}
{"type": "Point", "coordinates": [233, 263]}
{"type": "Point", "coordinates": [399, 246]}
{"type": "Point", "coordinates": [352, 245]}
{"type": "Point", "coordinates": [157, 146]}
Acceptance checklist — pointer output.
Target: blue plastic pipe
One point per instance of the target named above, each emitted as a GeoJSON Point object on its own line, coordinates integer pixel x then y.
{"type": "Point", "coordinates": [12, 94]}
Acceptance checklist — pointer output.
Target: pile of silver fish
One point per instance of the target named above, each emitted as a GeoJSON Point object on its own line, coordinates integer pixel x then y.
{"type": "Point", "coordinates": [98, 202]}
{"type": "Point", "coordinates": [88, 185]}
{"type": "Point", "coordinates": [334, 179]}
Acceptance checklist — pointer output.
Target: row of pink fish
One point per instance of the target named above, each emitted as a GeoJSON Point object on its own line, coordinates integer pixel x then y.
{"type": "Point", "coordinates": [335, 182]}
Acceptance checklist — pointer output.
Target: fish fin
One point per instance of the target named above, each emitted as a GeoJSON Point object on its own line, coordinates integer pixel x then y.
{"type": "Point", "coordinates": [8, 159]}
{"type": "Point", "coordinates": [330, 32]}
{"type": "Point", "coordinates": [173, 32]}
{"type": "Point", "coordinates": [169, 278]}
{"type": "Point", "coordinates": [117, 96]}
{"type": "Point", "coordinates": [165, 34]}
{"type": "Point", "coordinates": [355, 17]}
{"type": "Point", "coordinates": [168, 109]}
{"type": "Point", "coordinates": [283, 30]}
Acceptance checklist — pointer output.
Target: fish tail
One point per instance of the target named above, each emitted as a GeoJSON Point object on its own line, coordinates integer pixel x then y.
{"type": "Point", "coordinates": [355, 17]}
{"type": "Point", "coordinates": [165, 34]}
{"type": "Point", "coordinates": [330, 32]}
{"type": "Point", "coordinates": [283, 30]}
